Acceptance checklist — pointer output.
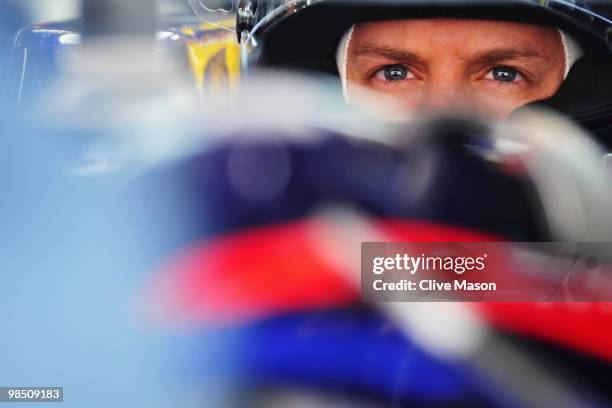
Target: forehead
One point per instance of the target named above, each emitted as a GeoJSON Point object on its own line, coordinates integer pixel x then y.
{"type": "Point", "coordinates": [455, 33]}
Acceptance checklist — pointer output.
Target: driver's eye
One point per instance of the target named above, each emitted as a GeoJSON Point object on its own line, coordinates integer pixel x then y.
{"type": "Point", "coordinates": [504, 74]}
{"type": "Point", "coordinates": [393, 73]}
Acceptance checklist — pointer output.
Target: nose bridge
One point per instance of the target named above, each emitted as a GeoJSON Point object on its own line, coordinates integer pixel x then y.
{"type": "Point", "coordinates": [446, 90]}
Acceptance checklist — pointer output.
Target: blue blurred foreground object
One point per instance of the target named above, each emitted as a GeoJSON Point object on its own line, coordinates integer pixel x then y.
{"type": "Point", "coordinates": [354, 357]}
{"type": "Point", "coordinates": [72, 262]}
{"type": "Point", "coordinates": [355, 352]}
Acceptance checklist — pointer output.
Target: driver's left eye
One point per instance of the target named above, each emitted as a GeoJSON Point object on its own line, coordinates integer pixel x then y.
{"type": "Point", "coordinates": [504, 74]}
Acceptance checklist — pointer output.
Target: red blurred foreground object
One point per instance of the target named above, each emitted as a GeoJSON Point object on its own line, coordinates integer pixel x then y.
{"type": "Point", "coordinates": [280, 269]}
{"type": "Point", "coordinates": [586, 327]}
{"type": "Point", "coordinates": [273, 270]}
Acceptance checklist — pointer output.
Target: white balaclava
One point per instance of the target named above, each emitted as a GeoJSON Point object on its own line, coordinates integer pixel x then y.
{"type": "Point", "coordinates": [571, 48]}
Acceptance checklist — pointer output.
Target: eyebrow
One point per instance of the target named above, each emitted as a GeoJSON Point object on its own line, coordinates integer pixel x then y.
{"type": "Point", "coordinates": [388, 52]}
{"type": "Point", "coordinates": [483, 57]}
{"type": "Point", "coordinates": [505, 54]}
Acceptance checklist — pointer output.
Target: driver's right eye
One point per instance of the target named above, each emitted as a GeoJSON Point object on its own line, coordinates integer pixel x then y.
{"type": "Point", "coordinates": [393, 73]}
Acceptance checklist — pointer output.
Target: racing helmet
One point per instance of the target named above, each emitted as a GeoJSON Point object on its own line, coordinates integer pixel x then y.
{"type": "Point", "coordinates": [305, 35]}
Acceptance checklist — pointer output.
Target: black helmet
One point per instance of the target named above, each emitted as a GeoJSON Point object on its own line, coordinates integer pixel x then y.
{"type": "Point", "coordinates": [305, 34]}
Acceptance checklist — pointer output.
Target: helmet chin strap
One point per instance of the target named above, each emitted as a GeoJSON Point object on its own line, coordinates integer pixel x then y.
{"type": "Point", "coordinates": [571, 49]}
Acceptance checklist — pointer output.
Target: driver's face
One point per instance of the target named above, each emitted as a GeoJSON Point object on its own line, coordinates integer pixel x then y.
{"type": "Point", "coordinates": [489, 68]}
